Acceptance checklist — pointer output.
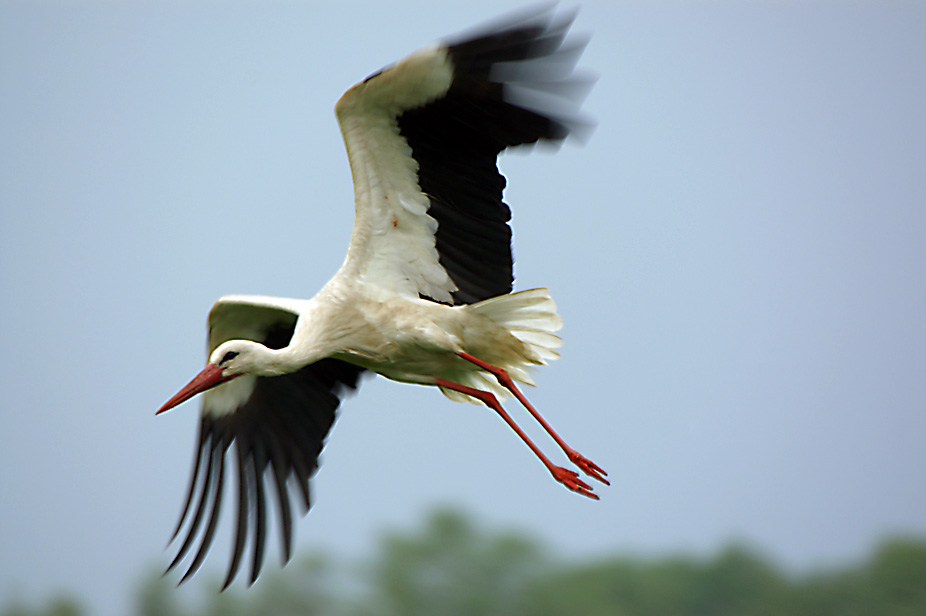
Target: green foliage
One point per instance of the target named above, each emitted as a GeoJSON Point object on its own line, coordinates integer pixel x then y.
{"type": "Point", "coordinates": [451, 567]}
{"type": "Point", "coordinates": [57, 606]}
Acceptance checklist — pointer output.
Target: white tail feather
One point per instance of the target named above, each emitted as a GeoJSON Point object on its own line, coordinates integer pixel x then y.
{"type": "Point", "coordinates": [530, 316]}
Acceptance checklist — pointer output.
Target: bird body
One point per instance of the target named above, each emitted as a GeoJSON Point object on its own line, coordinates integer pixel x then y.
{"type": "Point", "coordinates": [405, 339]}
{"type": "Point", "coordinates": [424, 295]}
{"type": "Point", "coordinates": [416, 341]}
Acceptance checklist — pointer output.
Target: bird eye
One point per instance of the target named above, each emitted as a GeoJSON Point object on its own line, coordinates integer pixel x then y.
{"type": "Point", "coordinates": [229, 356]}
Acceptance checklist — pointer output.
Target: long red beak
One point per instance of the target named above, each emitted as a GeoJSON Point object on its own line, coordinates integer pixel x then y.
{"type": "Point", "coordinates": [207, 379]}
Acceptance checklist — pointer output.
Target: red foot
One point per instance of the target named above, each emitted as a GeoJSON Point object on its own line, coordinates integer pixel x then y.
{"type": "Point", "coordinates": [588, 467]}
{"type": "Point", "coordinates": [571, 480]}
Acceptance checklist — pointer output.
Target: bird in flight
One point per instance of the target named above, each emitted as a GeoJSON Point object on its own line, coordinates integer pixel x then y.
{"type": "Point", "coordinates": [425, 293]}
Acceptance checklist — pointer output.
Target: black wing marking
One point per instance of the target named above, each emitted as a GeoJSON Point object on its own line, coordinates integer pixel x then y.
{"type": "Point", "coordinates": [282, 426]}
{"type": "Point", "coordinates": [512, 86]}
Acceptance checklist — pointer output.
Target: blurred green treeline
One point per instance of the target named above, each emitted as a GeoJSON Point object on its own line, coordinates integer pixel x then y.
{"type": "Point", "coordinates": [451, 567]}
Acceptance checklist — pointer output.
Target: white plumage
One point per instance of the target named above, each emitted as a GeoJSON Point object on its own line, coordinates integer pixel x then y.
{"type": "Point", "coordinates": [424, 294]}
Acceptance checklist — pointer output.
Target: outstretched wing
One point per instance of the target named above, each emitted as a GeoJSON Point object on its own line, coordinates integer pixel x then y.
{"type": "Point", "coordinates": [276, 422]}
{"type": "Point", "coordinates": [423, 137]}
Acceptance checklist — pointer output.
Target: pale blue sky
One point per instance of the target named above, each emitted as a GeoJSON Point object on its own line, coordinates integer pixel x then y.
{"type": "Point", "coordinates": [738, 254]}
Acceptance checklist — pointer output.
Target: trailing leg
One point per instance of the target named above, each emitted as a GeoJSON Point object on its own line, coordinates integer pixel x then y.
{"type": "Point", "coordinates": [568, 478]}
{"type": "Point", "coordinates": [588, 467]}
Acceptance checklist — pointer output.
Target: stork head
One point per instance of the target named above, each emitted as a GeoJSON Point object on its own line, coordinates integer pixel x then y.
{"type": "Point", "coordinates": [238, 357]}
{"type": "Point", "coordinates": [229, 360]}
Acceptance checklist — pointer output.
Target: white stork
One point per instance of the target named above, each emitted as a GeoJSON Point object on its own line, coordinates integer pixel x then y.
{"type": "Point", "coordinates": [425, 293]}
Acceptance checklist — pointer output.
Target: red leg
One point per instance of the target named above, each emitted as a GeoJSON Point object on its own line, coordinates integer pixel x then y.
{"type": "Point", "coordinates": [568, 478]}
{"type": "Point", "coordinates": [588, 467]}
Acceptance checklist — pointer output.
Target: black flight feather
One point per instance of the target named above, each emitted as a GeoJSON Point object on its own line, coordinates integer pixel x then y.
{"type": "Point", "coordinates": [456, 140]}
